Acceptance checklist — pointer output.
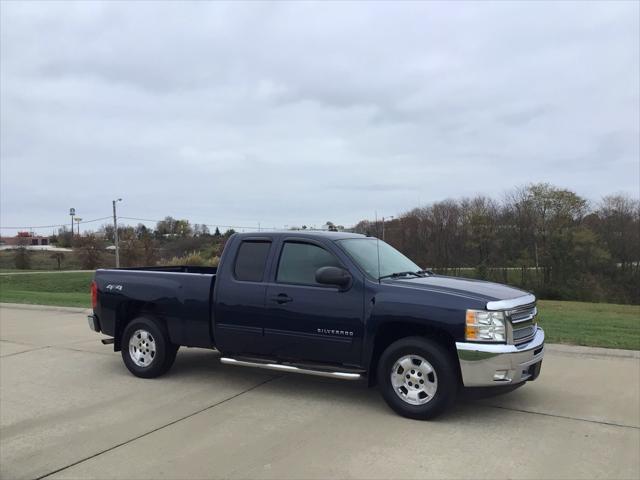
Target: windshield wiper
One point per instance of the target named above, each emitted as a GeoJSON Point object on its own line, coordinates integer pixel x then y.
{"type": "Point", "coordinates": [426, 272]}
{"type": "Point", "coordinates": [401, 274]}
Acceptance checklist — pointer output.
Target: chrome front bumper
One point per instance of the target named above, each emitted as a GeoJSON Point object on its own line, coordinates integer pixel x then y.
{"type": "Point", "coordinates": [485, 365]}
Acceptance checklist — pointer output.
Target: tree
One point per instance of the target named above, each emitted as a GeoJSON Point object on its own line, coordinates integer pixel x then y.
{"type": "Point", "coordinates": [173, 227]}
{"type": "Point", "coordinates": [64, 238]}
{"type": "Point", "coordinates": [545, 217]}
{"type": "Point", "coordinates": [90, 250]}
{"type": "Point", "coordinates": [148, 249]}
{"type": "Point", "coordinates": [58, 257]}
{"type": "Point", "coordinates": [617, 222]}
{"type": "Point", "coordinates": [331, 227]}
{"type": "Point", "coordinates": [200, 230]}
{"type": "Point", "coordinates": [562, 248]}
{"type": "Point", "coordinates": [141, 230]}
{"type": "Point", "coordinates": [22, 255]}
{"type": "Point", "coordinates": [183, 228]}
{"type": "Point", "coordinates": [166, 227]}
{"type": "Point", "coordinates": [131, 251]}
{"type": "Point", "coordinates": [106, 231]}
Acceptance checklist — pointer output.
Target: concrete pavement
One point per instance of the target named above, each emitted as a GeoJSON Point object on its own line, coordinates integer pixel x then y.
{"type": "Point", "coordinates": [70, 409]}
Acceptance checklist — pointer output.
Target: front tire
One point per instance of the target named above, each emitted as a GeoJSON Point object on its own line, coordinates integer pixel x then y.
{"type": "Point", "coordinates": [417, 378]}
{"type": "Point", "coordinates": [146, 349]}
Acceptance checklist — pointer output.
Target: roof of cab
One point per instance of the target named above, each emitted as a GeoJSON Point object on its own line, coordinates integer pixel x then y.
{"type": "Point", "coordinates": [304, 234]}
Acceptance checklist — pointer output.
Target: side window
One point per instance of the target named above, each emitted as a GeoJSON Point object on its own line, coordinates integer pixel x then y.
{"type": "Point", "coordinates": [251, 260]}
{"type": "Point", "coordinates": [299, 262]}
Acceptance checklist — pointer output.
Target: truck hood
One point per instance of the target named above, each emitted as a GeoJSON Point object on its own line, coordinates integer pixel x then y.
{"type": "Point", "coordinates": [465, 287]}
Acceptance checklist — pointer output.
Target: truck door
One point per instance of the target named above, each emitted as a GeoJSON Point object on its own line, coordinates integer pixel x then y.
{"type": "Point", "coordinates": [309, 321]}
{"type": "Point", "coordinates": [240, 304]}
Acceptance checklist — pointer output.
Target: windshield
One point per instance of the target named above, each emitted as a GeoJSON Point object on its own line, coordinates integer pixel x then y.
{"type": "Point", "coordinates": [364, 251]}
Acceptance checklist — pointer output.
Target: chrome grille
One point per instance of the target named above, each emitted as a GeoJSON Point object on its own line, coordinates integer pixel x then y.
{"type": "Point", "coordinates": [522, 322]}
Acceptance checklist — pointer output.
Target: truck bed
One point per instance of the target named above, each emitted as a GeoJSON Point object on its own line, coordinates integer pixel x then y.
{"type": "Point", "coordinates": [179, 295]}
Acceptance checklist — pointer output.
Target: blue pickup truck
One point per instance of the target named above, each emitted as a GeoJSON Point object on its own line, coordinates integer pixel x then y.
{"type": "Point", "coordinates": [332, 304]}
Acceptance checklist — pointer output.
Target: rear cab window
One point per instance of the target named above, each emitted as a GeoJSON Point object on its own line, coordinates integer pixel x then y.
{"type": "Point", "coordinates": [251, 260]}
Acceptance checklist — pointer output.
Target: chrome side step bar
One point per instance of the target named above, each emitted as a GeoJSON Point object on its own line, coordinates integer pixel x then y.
{"type": "Point", "coordinates": [290, 368]}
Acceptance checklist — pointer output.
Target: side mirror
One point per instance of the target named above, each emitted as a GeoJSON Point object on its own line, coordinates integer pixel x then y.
{"type": "Point", "coordinates": [333, 276]}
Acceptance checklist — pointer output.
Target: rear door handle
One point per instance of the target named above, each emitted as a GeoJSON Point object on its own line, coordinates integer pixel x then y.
{"type": "Point", "coordinates": [281, 298]}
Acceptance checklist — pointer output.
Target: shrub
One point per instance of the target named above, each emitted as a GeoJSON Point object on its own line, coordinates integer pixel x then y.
{"type": "Point", "coordinates": [194, 259]}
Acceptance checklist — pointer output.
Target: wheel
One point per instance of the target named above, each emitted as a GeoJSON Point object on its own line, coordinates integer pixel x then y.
{"type": "Point", "coordinates": [417, 378]}
{"type": "Point", "coordinates": [146, 349]}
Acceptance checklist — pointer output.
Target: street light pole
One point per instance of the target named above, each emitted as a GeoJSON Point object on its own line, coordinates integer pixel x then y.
{"type": "Point", "coordinates": [115, 232]}
{"type": "Point", "coordinates": [72, 212]}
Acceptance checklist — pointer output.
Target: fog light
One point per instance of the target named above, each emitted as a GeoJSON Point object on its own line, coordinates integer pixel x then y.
{"type": "Point", "coordinates": [501, 375]}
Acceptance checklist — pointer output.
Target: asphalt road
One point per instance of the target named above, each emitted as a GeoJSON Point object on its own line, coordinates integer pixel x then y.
{"type": "Point", "coordinates": [70, 409]}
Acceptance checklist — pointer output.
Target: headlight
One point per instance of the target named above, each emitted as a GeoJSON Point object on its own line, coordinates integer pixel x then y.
{"type": "Point", "coordinates": [483, 326]}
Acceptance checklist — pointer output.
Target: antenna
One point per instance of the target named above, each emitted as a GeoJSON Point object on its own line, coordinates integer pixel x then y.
{"type": "Point", "coordinates": [378, 244]}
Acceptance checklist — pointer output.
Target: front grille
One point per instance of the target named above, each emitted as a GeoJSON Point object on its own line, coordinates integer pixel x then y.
{"type": "Point", "coordinates": [523, 323]}
{"type": "Point", "coordinates": [521, 335]}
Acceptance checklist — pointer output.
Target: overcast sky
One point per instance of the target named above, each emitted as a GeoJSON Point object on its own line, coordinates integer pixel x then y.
{"type": "Point", "coordinates": [299, 113]}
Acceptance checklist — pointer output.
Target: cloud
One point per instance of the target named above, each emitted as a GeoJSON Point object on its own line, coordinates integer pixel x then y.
{"type": "Point", "coordinates": [228, 113]}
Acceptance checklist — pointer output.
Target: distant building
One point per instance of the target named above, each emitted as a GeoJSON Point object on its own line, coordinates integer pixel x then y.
{"type": "Point", "coordinates": [26, 239]}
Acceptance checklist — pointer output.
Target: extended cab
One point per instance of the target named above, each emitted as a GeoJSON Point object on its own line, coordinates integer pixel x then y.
{"type": "Point", "coordinates": [339, 305]}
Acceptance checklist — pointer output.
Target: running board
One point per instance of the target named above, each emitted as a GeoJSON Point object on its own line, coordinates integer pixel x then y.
{"type": "Point", "coordinates": [290, 368]}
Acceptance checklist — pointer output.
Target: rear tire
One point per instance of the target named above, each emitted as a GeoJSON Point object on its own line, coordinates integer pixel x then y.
{"type": "Point", "coordinates": [417, 378]}
{"type": "Point", "coordinates": [146, 349]}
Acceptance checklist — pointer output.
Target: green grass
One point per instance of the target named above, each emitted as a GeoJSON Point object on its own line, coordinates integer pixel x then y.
{"type": "Point", "coordinates": [591, 324]}
{"type": "Point", "coordinates": [576, 323]}
{"type": "Point", "coordinates": [64, 289]}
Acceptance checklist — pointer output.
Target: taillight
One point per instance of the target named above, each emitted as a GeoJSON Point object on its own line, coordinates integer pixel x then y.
{"type": "Point", "coordinates": [94, 295]}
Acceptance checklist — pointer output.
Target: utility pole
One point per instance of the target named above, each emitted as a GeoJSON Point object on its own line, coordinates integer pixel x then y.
{"type": "Point", "coordinates": [115, 232]}
{"type": "Point", "coordinates": [78, 220]}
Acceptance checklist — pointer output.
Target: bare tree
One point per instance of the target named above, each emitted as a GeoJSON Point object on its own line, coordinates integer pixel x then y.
{"type": "Point", "coordinates": [58, 257]}
{"type": "Point", "coordinates": [22, 255]}
{"type": "Point", "coordinates": [90, 250]}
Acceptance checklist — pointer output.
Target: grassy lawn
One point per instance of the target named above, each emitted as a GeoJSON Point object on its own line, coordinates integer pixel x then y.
{"type": "Point", "coordinates": [576, 323]}
{"type": "Point", "coordinates": [56, 288]}
{"type": "Point", "coordinates": [592, 324]}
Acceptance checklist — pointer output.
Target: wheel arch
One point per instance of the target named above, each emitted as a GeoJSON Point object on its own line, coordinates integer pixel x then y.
{"type": "Point", "coordinates": [128, 311]}
{"type": "Point", "coordinates": [390, 332]}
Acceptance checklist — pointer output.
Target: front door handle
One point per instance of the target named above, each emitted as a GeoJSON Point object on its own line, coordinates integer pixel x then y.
{"type": "Point", "coordinates": [281, 298]}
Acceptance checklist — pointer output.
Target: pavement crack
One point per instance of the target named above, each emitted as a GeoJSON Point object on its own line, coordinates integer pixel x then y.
{"type": "Point", "coordinates": [566, 417]}
{"type": "Point", "coordinates": [24, 351]}
{"type": "Point", "coordinates": [173, 422]}
{"type": "Point", "coordinates": [59, 347]}
{"type": "Point", "coordinates": [53, 347]}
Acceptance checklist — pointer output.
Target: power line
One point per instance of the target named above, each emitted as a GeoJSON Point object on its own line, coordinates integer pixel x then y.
{"type": "Point", "coordinates": [31, 227]}
{"type": "Point", "coordinates": [255, 227]}
{"type": "Point", "coordinates": [216, 225]}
